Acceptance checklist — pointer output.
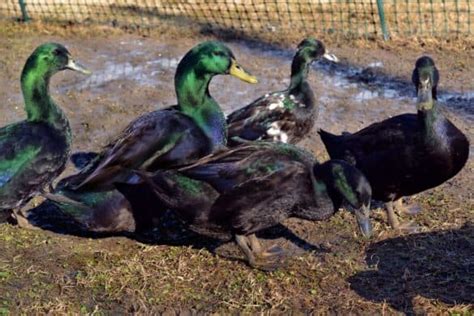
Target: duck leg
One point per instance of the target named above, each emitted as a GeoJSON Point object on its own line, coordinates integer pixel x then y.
{"type": "Point", "coordinates": [254, 243]}
{"type": "Point", "coordinates": [410, 209]}
{"type": "Point", "coordinates": [244, 245]}
{"type": "Point", "coordinates": [267, 260]}
{"type": "Point", "coordinates": [392, 217]}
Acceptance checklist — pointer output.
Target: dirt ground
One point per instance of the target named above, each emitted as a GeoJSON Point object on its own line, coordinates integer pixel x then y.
{"type": "Point", "coordinates": [332, 270]}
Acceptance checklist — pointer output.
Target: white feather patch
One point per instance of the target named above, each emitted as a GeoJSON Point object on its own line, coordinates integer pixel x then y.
{"type": "Point", "coordinates": [276, 133]}
{"type": "Point", "coordinates": [273, 106]}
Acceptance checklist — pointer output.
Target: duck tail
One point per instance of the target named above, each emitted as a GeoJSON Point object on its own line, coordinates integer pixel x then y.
{"type": "Point", "coordinates": [143, 190]}
{"type": "Point", "coordinates": [83, 158]}
{"type": "Point", "coordinates": [328, 138]}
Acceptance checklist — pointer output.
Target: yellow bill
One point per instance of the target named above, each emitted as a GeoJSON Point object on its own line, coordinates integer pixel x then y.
{"type": "Point", "coordinates": [74, 65]}
{"type": "Point", "coordinates": [237, 71]}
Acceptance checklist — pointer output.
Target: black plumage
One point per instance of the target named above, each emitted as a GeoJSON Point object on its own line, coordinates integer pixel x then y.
{"type": "Point", "coordinates": [408, 153]}
{"type": "Point", "coordinates": [241, 191]}
{"type": "Point", "coordinates": [287, 115]}
{"type": "Point", "coordinates": [164, 138]}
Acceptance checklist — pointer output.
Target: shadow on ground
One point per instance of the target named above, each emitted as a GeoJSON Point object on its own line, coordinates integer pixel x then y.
{"type": "Point", "coordinates": [169, 230]}
{"type": "Point", "coordinates": [436, 265]}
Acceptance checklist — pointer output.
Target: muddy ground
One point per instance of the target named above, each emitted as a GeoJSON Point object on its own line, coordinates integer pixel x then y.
{"type": "Point", "coordinates": [332, 269]}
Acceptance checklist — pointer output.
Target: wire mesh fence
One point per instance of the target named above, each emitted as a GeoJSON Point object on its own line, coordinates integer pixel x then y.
{"type": "Point", "coordinates": [357, 18]}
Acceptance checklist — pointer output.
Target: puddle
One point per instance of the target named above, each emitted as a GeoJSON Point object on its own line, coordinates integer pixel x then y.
{"type": "Point", "coordinates": [366, 94]}
{"type": "Point", "coordinates": [147, 74]}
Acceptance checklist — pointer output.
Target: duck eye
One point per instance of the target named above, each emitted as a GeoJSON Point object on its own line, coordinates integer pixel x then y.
{"type": "Point", "coordinates": [57, 52]}
{"type": "Point", "coordinates": [219, 53]}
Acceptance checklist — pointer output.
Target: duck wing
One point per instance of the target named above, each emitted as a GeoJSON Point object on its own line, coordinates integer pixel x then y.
{"type": "Point", "coordinates": [17, 150]}
{"type": "Point", "coordinates": [261, 201]}
{"type": "Point", "coordinates": [234, 166]}
{"type": "Point", "coordinates": [262, 119]}
{"type": "Point", "coordinates": [139, 146]}
{"type": "Point", "coordinates": [31, 155]}
{"type": "Point", "coordinates": [373, 142]}
{"type": "Point", "coordinates": [217, 200]}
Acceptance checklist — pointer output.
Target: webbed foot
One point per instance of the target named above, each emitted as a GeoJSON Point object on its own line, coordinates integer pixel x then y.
{"type": "Point", "coordinates": [21, 220]}
{"type": "Point", "coordinates": [265, 260]}
{"type": "Point", "coordinates": [409, 227]}
{"type": "Point", "coordinates": [270, 259]}
{"type": "Point", "coordinates": [404, 208]}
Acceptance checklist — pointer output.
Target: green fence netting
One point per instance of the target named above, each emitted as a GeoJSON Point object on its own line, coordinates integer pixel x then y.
{"type": "Point", "coordinates": [347, 17]}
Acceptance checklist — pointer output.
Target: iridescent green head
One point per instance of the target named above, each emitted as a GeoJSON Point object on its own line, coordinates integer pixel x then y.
{"type": "Point", "coordinates": [193, 76]}
{"type": "Point", "coordinates": [45, 61]}
{"type": "Point", "coordinates": [212, 58]}
{"type": "Point", "coordinates": [313, 49]}
{"type": "Point", "coordinates": [345, 182]}
{"type": "Point", "coordinates": [425, 69]}
{"type": "Point", "coordinates": [49, 58]}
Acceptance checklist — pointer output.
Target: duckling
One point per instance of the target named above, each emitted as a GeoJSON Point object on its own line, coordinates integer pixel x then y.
{"type": "Point", "coordinates": [33, 152]}
{"type": "Point", "coordinates": [287, 115]}
{"type": "Point", "coordinates": [174, 136]}
{"type": "Point", "coordinates": [241, 191]}
{"type": "Point", "coordinates": [408, 153]}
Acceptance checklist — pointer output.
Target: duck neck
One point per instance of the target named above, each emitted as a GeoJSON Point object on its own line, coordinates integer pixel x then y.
{"type": "Point", "coordinates": [299, 73]}
{"type": "Point", "coordinates": [192, 90]}
{"type": "Point", "coordinates": [433, 123]}
{"type": "Point", "coordinates": [39, 105]}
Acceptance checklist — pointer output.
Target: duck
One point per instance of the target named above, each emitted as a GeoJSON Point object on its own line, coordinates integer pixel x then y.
{"type": "Point", "coordinates": [165, 138]}
{"type": "Point", "coordinates": [34, 152]}
{"type": "Point", "coordinates": [287, 115]}
{"type": "Point", "coordinates": [408, 153]}
{"type": "Point", "coordinates": [238, 192]}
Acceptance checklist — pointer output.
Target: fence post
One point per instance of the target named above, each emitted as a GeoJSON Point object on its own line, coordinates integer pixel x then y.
{"type": "Point", "coordinates": [24, 13]}
{"type": "Point", "coordinates": [382, 19]}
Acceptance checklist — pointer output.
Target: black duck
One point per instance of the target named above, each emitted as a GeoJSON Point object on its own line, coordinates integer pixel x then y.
{"type": "Point", "coordinates": [241, 191]}
{"type": "Point", "coordinates": [408, 153]}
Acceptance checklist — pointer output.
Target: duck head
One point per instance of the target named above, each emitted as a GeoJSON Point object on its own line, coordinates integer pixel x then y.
{"type": "Point", "coordinates": [47, 59]}
{"type": "Point", "coordinates": [313, 49]}
{"type": "Point", "coordinates": [192, 79]}
{"type": "Point", "coordinates": [425, 77]}
{"type": "Point", "coordinates": [309, 50]}
{"type": "Point", "coordinates": [213, 58]}
{"type": "Point", "coordinates": [425, 67]}
{"type": "Point", "coordinates": [345, 182]}
{"type": "Point", "coordinates": [424, 95]}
